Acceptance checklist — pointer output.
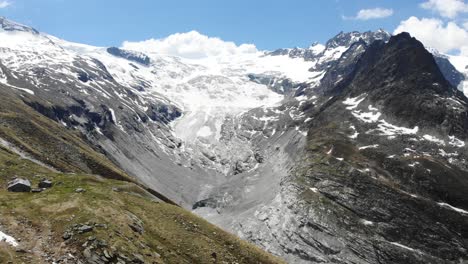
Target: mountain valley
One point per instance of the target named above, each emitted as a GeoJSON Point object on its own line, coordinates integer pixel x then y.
{"type": "Point", "coordinates": [353, 151]}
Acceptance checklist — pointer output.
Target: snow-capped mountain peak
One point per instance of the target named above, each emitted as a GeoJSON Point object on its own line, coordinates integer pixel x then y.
{"type": "Point", "coordinates": [8, 25]}
{"type": "Point", "coordinates": [346, 39]}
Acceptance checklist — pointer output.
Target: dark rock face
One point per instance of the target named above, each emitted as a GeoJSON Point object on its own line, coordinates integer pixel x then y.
{"type": "Point", "coordinates": [19, 185]}
{"type": "Point", "coordinates": [393, 207]}
{"type": "Point", "coordinates": [344, 65]}
{"type": "Point", "coordinates": [278, 85]}
{"type": "Point", "coordinates": [45, 184]}
{"type": "Point", "coordinates": [130, 55]}
{"type": "Point", "coordinates": [410, 85]}
{"type": "Point", "coordinates": [210, 202]}
{"type": "Point", "coordinates": [163, 113]}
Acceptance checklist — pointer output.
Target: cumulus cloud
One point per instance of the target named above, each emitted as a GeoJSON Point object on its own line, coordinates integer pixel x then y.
{"type": "Point", "coordinates": [192, 45]}
{"type": "Point", "coordinates": [446, 8]}
{"type": "Point", "coordinates": [464, 51]}
{"type": "Point", "coordinates": [374, 13]}
{"type": "Point", "coordinates": [465, 25]}
{"type": "Point", "coordinates": [4, 4]}
{"type": "Point", "coordinates": [435, 33]}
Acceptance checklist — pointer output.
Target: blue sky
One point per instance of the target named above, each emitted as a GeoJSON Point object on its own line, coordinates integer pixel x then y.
{"type": "Point", "coordinates": [267, 24]}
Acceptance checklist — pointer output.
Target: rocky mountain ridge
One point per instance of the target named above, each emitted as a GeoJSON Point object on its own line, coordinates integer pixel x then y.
{"type": "Point", "coordinates": [364, 144]}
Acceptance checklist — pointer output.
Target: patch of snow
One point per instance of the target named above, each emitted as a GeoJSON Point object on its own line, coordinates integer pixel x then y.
{"type": "Point", "coordinates": [301, 98]}
{"type": "Point", "coordinates": [114, 118]}
{"type": "Point", "coordinates": [8, 239]}
{"type": "Point", "coordinates": [23, 89]}
{"type": "Point", "coordinates": [445, 154]}
{"type": "Point", "coordinates": [367, 222]}
{"type": "Point", "coordinates": [402, 246]}
{"type": "Point", "coordinates": [453, 208]}
{"type": "Point", "coordinates": [317, 48]}
{"type": "Point", "coordinates": [354, 102]}
{"type": "Point", "coordinates": [453, 141]}
{"type": "Point", "coordinates": [434, 139]}
{"type": "Point", "coordinates": [367, 117]}
{"type": "Point", "coordinates": [370, 146]}
{"type": "Point", "coordinates": [388, 129]}
{"type": "Point", "coordinates": [204, 132]}
{"type": "Point", "coordinates": [98, 130]}
{"type": "Point", "coordinates": [371, 108]}
{"type": "Point", "coordinates": [355, 135]}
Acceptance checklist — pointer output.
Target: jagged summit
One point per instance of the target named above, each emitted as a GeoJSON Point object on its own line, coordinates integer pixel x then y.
{"type": "Point", "coordinates": [403, 58]}
{"type": "Point", "coordinates": [9, 25]}
{"type": "Point", "coordinates": [341, 41]}
{"type": "Point", "coordinates": [348, 38]}
{"type": "Point", "coordinates": [404, 79]}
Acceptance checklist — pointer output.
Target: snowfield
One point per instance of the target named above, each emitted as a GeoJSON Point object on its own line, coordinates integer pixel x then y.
{"type": "Point", "coordinates": [208, 86]}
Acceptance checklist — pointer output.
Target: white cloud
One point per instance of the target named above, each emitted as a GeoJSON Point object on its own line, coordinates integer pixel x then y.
{"type": "Point", "coordinates": [434, 33]}
{"type": "Point", "coordinates": [374, 13]}
{"type": "Point", "coordinates": [446, 8]}
{"type": "Point", "coordinates": [465, 25]}
{"type": "Point", "coordinates": [464, 51]}
{"type": "Point", "coordinates": [191, 45]}
{"type": "Point", "coordinates": [4, 4]}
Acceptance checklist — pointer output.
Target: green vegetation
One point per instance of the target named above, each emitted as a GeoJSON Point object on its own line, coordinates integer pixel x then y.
{"type": "Point", "coordinates": [50, 142]}
{"type": "Point", "coordinates": [169, 234]}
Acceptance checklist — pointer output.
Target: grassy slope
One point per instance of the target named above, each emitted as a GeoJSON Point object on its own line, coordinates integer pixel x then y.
{"type": "Point", "coordinates": [49, 141]}
{"type": "Point", "coordinates": [171, 234]}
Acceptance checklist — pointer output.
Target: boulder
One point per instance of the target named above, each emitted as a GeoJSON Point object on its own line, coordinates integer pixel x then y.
{"type": "Point", "coordinates": [45, 184]}
{"type": "Point", "coordinates": [85, 229]}
{"type": "Point", "coordinates": [19, 185]}
{"type": "Point", "coordinates": [80, 190]}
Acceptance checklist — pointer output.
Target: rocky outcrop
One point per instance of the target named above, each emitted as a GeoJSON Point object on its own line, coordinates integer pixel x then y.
{"type": "Point", "coordinates": [19, 185]}
{"type": "Point", "coordinates": [45, 184]}
{"type": "Point", "coordinates": [130, 55]}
